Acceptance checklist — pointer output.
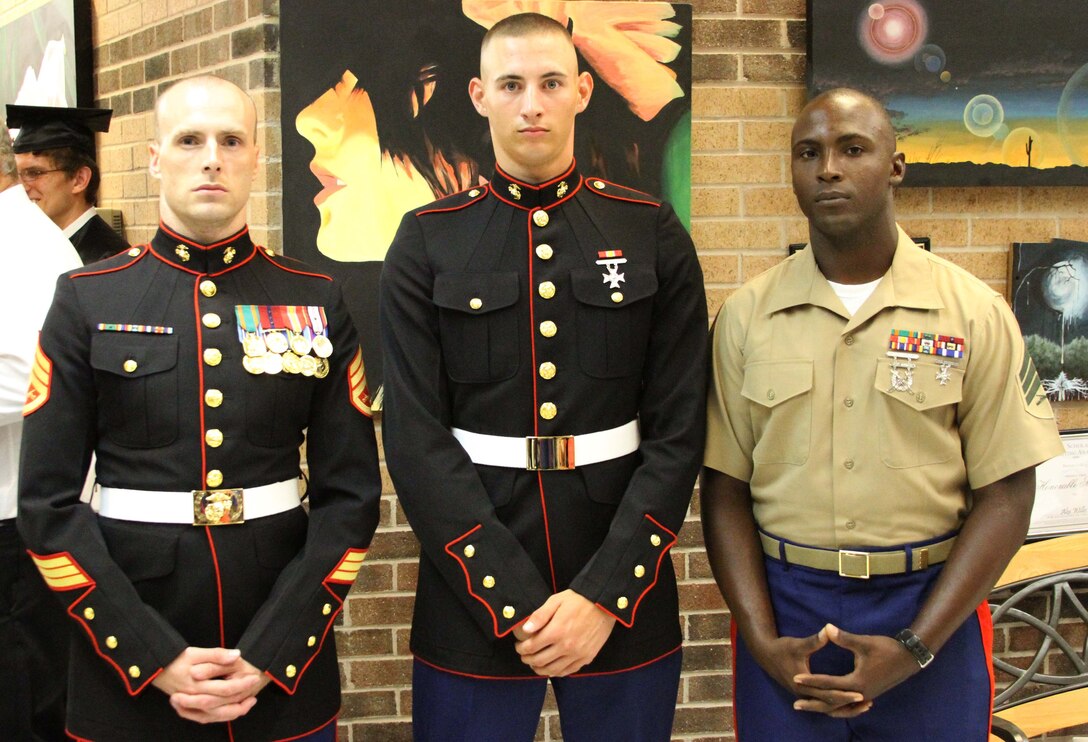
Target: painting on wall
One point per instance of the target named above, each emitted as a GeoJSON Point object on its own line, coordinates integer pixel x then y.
{"type": "Point", "coordinates": [980, 93]}
{"type": "Point", "coordinates": [377, 119]}
{"type": "Point", "coordinates": [45, 53]}
{"type": "Point", "coordinates": [1049, 290]}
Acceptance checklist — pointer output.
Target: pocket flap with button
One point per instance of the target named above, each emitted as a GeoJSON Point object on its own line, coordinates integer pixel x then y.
{"type": "Point", "coordinates": [590, 287]}
{"type": "Point", "coordinates": [133, 355]}
{"type": "Point", "coordinates": [475, 293]}
{"type": "Point", "coordinates": [770, 383]}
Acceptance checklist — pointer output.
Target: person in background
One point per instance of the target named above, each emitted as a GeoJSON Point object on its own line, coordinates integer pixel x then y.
{"type": "Point", "coordinates": [873, 428]}
{"type": "Point", "coordinates": [544, 339]}
{"type": "Point", "coordinates": [56, 156]}
{"type": "Point", "coordinates": [33, 628]}
{"type": "Point", "coordinates": [203, 593]}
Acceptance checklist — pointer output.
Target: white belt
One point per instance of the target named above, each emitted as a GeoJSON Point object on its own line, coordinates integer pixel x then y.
{"type": "Point", "coordinates": [548, 452]}
{"type": "Point", "coordinates": [199, 507]}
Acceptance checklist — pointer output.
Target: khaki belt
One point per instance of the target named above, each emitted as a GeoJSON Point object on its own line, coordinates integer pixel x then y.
{"type": "Point", "coordinates": [858, 564]}
{"type": "Point", "coordinates": [199, 507]}
{"type": "Point", "coordinates": [549, 452]}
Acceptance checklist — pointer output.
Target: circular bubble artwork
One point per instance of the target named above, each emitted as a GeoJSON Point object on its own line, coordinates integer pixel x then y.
{"type": "Point", "coordinates": [1072, 113]}
{"type": "Point", "coordinates": [893, 32]}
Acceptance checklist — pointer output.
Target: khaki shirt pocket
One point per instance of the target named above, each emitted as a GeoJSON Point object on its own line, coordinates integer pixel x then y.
{"type": "Point", "coordinates": [917, 425]}
{"type": "Point", "coordinates": [781, 410]}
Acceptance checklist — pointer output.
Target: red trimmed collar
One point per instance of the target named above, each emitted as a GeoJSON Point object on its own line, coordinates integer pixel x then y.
{"type": "Point", "coordinates": [535, 196]}
{"type": "Point", "coordinates": [194, 257]}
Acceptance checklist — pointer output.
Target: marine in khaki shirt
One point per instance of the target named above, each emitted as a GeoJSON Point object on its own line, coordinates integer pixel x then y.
{"type": "Point", "coordinates": [910, 426]}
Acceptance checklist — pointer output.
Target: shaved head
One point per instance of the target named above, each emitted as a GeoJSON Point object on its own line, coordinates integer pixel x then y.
{"type": "Point", "coordinates": [852, 100]}
{"type": "Point", "coordinates": [200, 87]}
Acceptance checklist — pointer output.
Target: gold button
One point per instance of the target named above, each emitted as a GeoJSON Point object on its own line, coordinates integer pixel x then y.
{"type": "Point", "coordinates": [208, 288]}
{"type": "Point", "coordinates": [473, 193]}
{"type": "Point", "coordinates": [547, 370]}
{"type": "Point", "coordinates": [133, 252]}
{"type": "Point", "coordinates": [548, 328]}
{"type": "Point", "coordinates": [489, 582]}
{"type": "Point", "coordinates": [214, 437]}
{"type": "Point", "coordinates": [639, 570]}
{"type": "Point", "coordinates": [290, 671]}
{"type": "Point", "coordinates": [655, 540]}
{"type": "Point", "coordinates": [214, 478]}
{"type": "Point", "coordinates": [269, 251]}
{"type": "Point", "coordinates": [311, 641]}
{"type": "Point", "coordinates": [598, 184]}
{"type": "Point", "coordinates": [621, 603]}
{"type": "Point", "coordinates": [921, 397]}
{"type": "Point", "coordinates": [770, 394]}
{"type": "Point", "coordinates": [111, 642]}
{"type": "Point", "coordinates": [849, 402]}
{"type": "Point", "coordinates": [541, 218]}
{"type": "Point", "coordinates": [544, 252]}
{"type": "Point", "coordinates": [508, 612]}
{"type": "Point", "coordinates": [849, 463]}
{"type": "Point", "coordinates": [134, 672]}
{"type": "Point", "coordinates": [211, 319]}
{"type": "Point", "coordinates": [850, 525]}
{"type": "Point", "coordinates": [213, 397]}
{"type": "Point", "coordinates": [88, 613]}
{"type": "Point", "coordinates": [212, 356]}
{"type": "Point", "coordinates": [326, 609]}
{"type": "Point", "coordinates": [475, 303]}
{"type": "Point", "coordinates": [546, 290]}
{"type": "Point", "coordinates": [470, 551]}
{"type": "Point", "coordinates": [129, 365]}
{"type": "Point", "coordinates": [849, 340]}
{"type": "Point", "coordinates": [548, 410]}
{"type": "Point", "coordinates": [617, 296]}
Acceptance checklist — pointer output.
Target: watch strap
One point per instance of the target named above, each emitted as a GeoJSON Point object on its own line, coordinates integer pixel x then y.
{"type": "Point", "coordinates": [915, 646]}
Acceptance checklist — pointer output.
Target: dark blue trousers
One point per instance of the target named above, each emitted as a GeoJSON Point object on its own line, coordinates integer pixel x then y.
{"type": "Point", "coordinates": [949, 701]}
{"type": "Point", "coordinates": [634, 706]}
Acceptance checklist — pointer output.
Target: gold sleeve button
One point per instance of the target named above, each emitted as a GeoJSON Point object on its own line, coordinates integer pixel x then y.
{"type": "Point", "coordinates": [470, 551]}
{"type": "Point", "coordinates": [290, 671]}
{"type": "Point", "coordinates": [508, 612]}
{"type": "Point", "coordinates": [111, 642]}
{"type": "Point", "coordinates": [88, 613]}
{"type": "Point", "coordinates": [639, 570]}
{"type": "Point", "coordinates": [311, 641]}
{"type": "Point", "coordinates": [326, 609]}
{"type": "Point", "coordinates": [489, 582]}
{"type": "Point", "coordinates": [621, 603]}
{"type": "Point", "coordinates": [134, 672]}
{"type": "Point", "coordinates": [655, 540]}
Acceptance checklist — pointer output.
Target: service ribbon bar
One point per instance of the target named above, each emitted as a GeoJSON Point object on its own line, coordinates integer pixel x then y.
{"type": "Point", "coordinates": [150, 329]}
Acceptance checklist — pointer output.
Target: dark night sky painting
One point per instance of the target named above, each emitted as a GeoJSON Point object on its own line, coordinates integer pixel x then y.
{"type": "Point", "coordinates": [975, 88]}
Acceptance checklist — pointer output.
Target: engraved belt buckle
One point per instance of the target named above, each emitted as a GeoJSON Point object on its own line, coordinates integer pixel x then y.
{"type": "Point", "coordinates": [549, 452]}
{"type": "Point", "coordinates": [854, 564]}
{"type": "Point", "coordinates": [218, 507]}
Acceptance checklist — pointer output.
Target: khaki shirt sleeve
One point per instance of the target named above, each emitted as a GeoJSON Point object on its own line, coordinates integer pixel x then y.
{"type": "Point", "coordinates": [729, 434]}
{"type": "Point", "coordinates": [1006, 423]}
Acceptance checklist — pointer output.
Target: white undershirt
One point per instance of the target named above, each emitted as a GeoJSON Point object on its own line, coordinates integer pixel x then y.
{"type": "Point", "coordinates": [79, 221]}
{"type": "Point", "coordinates": [853, 295]}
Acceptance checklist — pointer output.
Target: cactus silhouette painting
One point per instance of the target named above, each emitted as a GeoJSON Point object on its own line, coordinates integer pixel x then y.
{"type": "Point", "coordinates": [1027, 148]}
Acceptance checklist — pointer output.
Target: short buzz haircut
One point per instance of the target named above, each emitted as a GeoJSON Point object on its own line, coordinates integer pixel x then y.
{"type": "Point", "coordinates": [206, 80]}
{"type": "Point", "coordinates": [524, 24]}
{"type": "Point", "coordinates": [876, 104]}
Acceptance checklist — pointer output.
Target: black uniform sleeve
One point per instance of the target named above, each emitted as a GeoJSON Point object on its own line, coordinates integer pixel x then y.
{"type": "Point", "coordinates": [62, 532]}
{"type": "Point", "coordinates": [345, 492]}
{"type": "Point", "coordinates": [672, 425]}
{"type": "Point", "coordinates": [437, 483]}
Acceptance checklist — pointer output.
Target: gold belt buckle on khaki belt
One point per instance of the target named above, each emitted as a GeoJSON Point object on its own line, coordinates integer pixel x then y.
{"type": "Point", "coordinates": [549, 452]}
{"type": "Point", "coordinates": [854, 564]}
{"type": "Point", "coordinates": [218, 507]}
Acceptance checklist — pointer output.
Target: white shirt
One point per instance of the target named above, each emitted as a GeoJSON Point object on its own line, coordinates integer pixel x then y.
{"type": "Point", "coordinates": [33, 252]}
{"type": "Point", "coordinates": [79, 221]}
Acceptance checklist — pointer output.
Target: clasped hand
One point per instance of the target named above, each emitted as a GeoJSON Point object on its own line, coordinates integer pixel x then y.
{"type": "Point", "coordinates": [880, 663]}
{"type": "Point", "coordinates": [211, 684]}
{"type": "Point", "coordinates": [563, 635]}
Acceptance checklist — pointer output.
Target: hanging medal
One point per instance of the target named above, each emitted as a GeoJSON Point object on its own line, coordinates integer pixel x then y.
{"type": "Point", "coordinates": [322, 344]}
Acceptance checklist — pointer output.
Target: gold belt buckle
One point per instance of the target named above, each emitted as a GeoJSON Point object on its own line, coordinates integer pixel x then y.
{"type": "Point", "coordinates": [854, 564]}
{"type": "Point", "coordinates": [218, 507]}
{"type": "Point", "coordinates": [549, 452]}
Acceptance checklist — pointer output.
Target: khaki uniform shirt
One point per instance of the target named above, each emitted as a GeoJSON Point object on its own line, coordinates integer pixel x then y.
{"type": "Point", "coordinates": [845, 445]}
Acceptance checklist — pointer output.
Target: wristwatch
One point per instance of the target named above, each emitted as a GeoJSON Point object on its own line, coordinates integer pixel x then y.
{"type": "Point", "coordinates": [914, 645]}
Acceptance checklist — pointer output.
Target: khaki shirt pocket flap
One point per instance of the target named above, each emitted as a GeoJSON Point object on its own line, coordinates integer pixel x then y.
{"type": "Point", "coordinates": [770, 383]}
{"type": "Point", "coordinates": [930, 384]}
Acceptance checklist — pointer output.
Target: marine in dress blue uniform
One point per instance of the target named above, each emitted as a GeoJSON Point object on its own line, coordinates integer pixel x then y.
{"type": "Point", "coordinates": [149, 360]}
{"type": "Point", "coordinates": [544, 346]}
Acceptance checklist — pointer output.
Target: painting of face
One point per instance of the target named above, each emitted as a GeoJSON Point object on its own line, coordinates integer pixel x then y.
{"type": "Point", "coordinates": [378, 120]}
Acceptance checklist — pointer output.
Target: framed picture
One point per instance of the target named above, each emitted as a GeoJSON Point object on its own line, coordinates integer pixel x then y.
{"type": "Point", "coordinates": [1061, 489]}
{"type": "Point", "coordinates": [1049, 292]}
{"type": "Point", "coordinates": [46, 53]}
{"type": "Point", "coordinates": [377, 119]}
{"type": "Point", "coordinates": [980, 93]}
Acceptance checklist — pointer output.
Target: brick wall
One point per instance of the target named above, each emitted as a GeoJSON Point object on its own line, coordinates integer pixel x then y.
{"type": "Point", "coordinates": [748, 73]}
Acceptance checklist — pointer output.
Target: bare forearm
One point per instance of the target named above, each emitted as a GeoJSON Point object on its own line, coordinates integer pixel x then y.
{"type": "Point", "coordinates": [993, 531]}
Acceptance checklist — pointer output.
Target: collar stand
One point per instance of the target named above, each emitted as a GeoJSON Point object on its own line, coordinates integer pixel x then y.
{"type": "Point", "coordinates": [194, 257]}
{"type": "Point", "coordinates": [540, 196]}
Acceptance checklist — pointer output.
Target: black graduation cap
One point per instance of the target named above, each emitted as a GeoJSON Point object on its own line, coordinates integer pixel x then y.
{"type": "Point", "coordinates": [52, 127]}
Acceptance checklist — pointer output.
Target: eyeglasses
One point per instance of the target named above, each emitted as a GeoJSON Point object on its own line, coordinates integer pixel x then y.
{"type": "Point", "coordinates": [32, 174]}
